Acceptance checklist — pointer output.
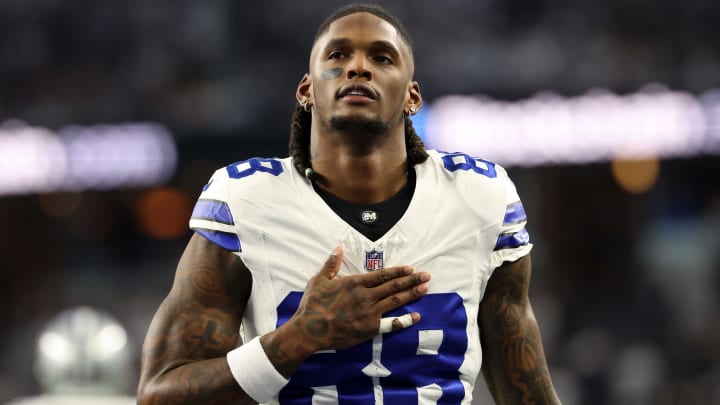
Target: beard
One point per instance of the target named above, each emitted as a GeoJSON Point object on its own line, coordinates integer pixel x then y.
{"type": "Point", "coordinates": [373, 126]}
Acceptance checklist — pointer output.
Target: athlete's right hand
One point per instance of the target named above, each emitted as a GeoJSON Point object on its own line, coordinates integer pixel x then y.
{"type": "Point", "coordinates": [340, 312]}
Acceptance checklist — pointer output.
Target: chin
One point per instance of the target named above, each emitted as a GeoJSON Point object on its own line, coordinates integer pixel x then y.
{"type": "Point", "coordinates": [363, 123]}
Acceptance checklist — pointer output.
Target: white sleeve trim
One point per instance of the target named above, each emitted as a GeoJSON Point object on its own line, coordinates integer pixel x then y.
{"type": "Point", "coordinates": [508, 255]}
{"type": "Point", "coordinates": [211, 225]}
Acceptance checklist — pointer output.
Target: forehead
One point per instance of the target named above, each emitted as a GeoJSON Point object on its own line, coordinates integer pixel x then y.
{"type": "Point", "coordinates": [362, 28]}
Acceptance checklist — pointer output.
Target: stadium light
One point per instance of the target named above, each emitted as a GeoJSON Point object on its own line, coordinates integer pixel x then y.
{"type": "Point", "coordinates": [101, 157]}
{"type": "Point", "coordinates": [594, 127]}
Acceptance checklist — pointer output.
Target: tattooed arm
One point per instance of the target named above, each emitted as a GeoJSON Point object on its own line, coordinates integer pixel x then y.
{"type": "Point", "coordinates": [514, 363]}
{"type": "Point", "coordinates": [183, 359]}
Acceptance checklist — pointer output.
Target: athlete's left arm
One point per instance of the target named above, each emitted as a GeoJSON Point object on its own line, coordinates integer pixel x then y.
{"type": "Point", "coordinates": [514, 363]}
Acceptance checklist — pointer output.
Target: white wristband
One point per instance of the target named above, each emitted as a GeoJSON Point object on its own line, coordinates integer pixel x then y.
{"type": "Point", "coordinates": [254, 372]}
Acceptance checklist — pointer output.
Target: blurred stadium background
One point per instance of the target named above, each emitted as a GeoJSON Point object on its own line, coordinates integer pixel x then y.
{"type": "Point", "coordinates": [114, 114]}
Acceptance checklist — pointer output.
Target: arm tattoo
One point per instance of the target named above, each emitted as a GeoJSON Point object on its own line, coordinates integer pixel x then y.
{"type": "Point", "coordinates": [183, 357]}
{"type": "Point", "coordinates": [511, 330]}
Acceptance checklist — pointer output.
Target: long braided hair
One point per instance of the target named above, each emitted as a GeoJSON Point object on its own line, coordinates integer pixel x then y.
{"type": "Point", "coordinates": [302, 120]}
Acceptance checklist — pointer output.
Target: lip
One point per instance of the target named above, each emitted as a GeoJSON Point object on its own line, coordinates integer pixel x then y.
{"type": "Point", "coordinates": [367, 95]}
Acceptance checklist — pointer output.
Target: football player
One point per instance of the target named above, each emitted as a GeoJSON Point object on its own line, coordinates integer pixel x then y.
{"type": "Point", "coordinates": [362, 269]}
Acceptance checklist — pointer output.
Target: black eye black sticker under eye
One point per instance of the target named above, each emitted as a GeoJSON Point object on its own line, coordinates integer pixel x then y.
{"type": "Point", "coordinates": [333, 73]}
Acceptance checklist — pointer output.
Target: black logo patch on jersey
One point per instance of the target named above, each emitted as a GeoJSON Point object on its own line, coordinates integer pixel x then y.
{"type": "Point", "coordinates": [368, 217]}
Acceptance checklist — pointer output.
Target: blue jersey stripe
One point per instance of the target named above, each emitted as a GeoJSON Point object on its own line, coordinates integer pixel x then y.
{"type": "Point", "coordinates": [513, 240]}
{"type": "Point", "coordinates": [213, 210]}
{"type": "Point", "coordinates": [228, 241]}
{"type": "Point", "coordinates": [514, 213]}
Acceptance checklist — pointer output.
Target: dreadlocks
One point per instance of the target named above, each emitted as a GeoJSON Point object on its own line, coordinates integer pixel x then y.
{"type": "Point", "coordinates": [302, 120]}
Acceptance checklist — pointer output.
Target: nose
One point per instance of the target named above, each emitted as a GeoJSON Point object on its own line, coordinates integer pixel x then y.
{"type": "Point", "coordinates": [358, 67]}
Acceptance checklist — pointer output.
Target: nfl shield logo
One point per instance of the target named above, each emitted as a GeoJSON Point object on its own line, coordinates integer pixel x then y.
{"type": "Point", "coordinates": [373, 260]}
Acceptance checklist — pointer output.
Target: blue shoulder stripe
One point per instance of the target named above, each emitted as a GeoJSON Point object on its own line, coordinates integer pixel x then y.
{"type": "Point", "coordinates": [225, 240]}
{"type": "Point", "coordinates": [213, 210]}
{"type": "Point", "coordinates": [514, 213]}
{"type": "Point", "coordinates": [512, 240]}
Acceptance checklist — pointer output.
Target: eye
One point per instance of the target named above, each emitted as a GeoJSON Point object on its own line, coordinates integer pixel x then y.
{"type": "Point", "coordinates": [382, 59]}
{"type": "Point", "coordinates": [336, 55]}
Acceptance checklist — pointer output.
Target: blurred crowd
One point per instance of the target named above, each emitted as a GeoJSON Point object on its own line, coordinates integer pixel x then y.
{"type": "Point", "coordinates": [625, 286]}
{"type": "Point", "coordinates": [222, 66]}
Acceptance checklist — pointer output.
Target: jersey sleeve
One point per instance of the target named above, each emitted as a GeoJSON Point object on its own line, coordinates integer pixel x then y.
{"type": "Point", "coordinates": [513, 240]}
{"type": "Point", "coordinates": [212, 216]}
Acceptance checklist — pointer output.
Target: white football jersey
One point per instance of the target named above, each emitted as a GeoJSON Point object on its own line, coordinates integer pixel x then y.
{"type": "Point", "coordinates": [464, 220]}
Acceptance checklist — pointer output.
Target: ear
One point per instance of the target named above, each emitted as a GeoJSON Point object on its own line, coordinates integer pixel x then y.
{"type": "Point", "coordinates": [304, 91]}
{"type": "Point", "coordinates": [414, 98]}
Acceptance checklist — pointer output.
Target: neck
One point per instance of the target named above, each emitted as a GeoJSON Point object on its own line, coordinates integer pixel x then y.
{"type": "Point", "coordinates": [361, 174]}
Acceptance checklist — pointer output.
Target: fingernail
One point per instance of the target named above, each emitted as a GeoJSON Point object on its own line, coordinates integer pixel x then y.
{"type": "Point", "coordinates": [335, 251]}
{"type": "Point", "coordinates": [424, 277]}
{"type": "Point", "coordinates": [423, 288]}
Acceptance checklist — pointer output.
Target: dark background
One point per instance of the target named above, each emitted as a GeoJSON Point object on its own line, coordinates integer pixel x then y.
{"type": "Point", "coordinates": [625, 285]}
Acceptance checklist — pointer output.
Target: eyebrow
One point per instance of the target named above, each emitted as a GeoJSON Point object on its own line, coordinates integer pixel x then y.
{"type": "Point", "coordinates": [386, 46]}
{"type": "Point", "coordinates": [337, 42]}
{"type": "Point", "coordinates": [380, 44]}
